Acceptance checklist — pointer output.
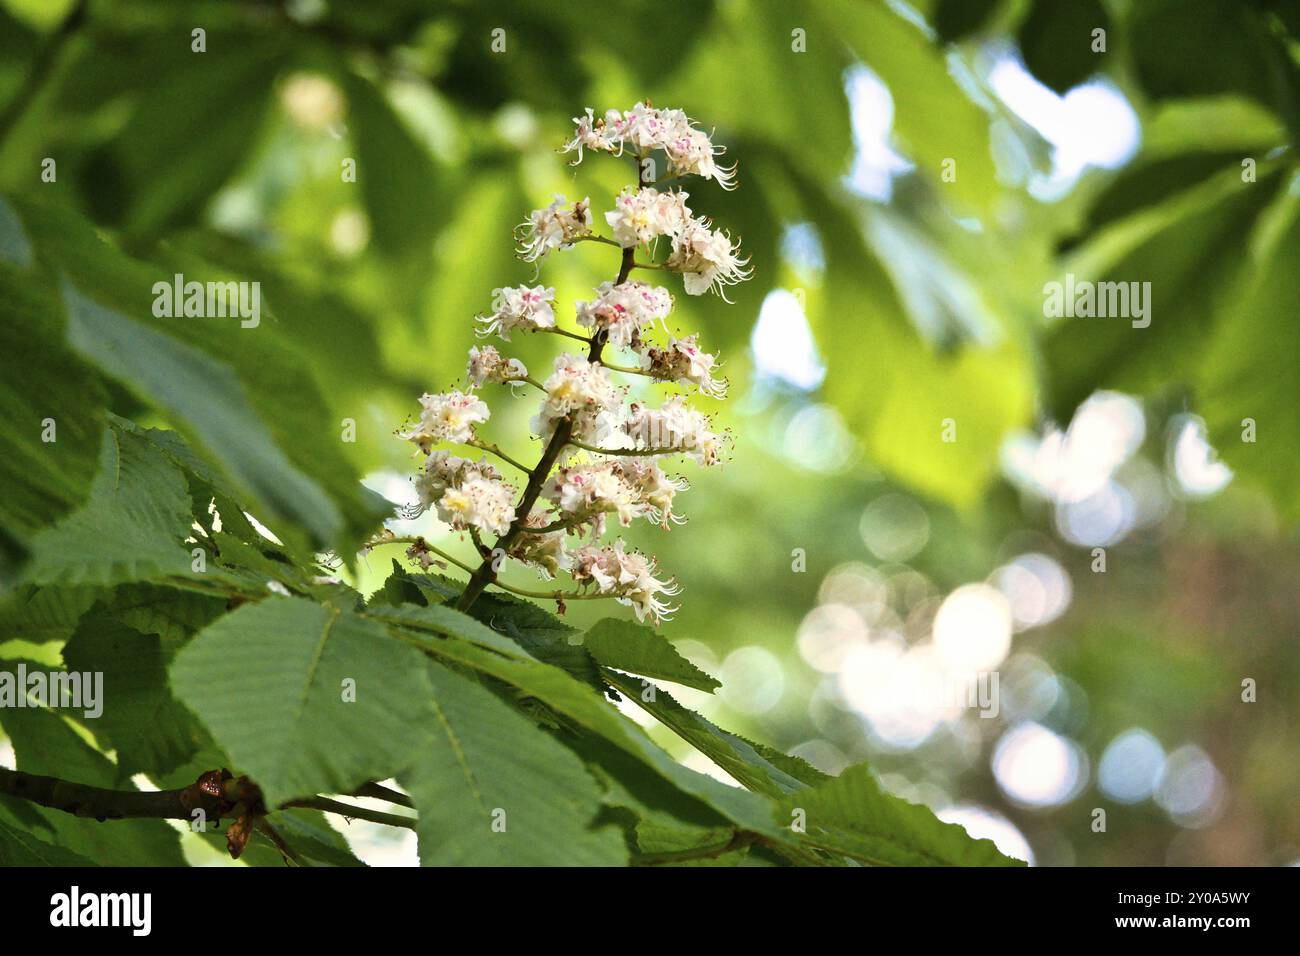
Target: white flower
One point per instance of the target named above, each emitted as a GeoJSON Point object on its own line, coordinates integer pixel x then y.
{"type": "Point", "coordinates": [624, 310]}
{"type": "Point", "coordinates": [706, 258]}
{"type": "Point", "coordinates": [592, 133]}
{"type": "Point", "coordinates": [554, 227]}
{"type": "Point", "coordinates": [547, 551]}
{"type": "Point", "coordinates": [466, 493]}
{"type": "Point", "coordinates": [628, 577]}
{"type": "Point", "coordinates": [486, 364]}
{"type": "Point", "coordinates": [677, 426]}
{"type": "Point", "coordinates": [690, 151]}
{"type": "Point", "coordinates": [582, 391]}
{"type": "Point", "coordinates": [449, 417]}
{"type": "Point", "coordinates": [519, 307]}
{"type": "Point", "coordinates": [685, 363]}
{"type": "Point", "coordinates": [642, 215]}
{"type": "Point", "coordinates": [585, 491]}
{"type": "Point", "coordinates": [655, 490]}
{"type": "Point", "coordinates": [480, 502]}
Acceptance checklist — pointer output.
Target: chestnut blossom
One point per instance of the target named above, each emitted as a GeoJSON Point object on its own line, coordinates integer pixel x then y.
{"type": "Point", "coordinates": [557, 226]}
{"type": "Point", "coordinates": [684, 362]}
{"type": "Point", "coordinates": [519, 307]}
{"type": "Point", "coordinates": [590, 491]}
{"type": "Point", "coordinates": [581, 391]}
{"type": "Point", "coordinates": [690, 150]}
{"type": "Point", "coordinates": [627, 577]}
{"type": "Point", "coordinates": [600, 455]}
{"type": "Point", "coordinates": [486, 364]}
{"type": "Point", "coordinates": [466, 493]}
{"type": "Point", "coordinates": [706, 258]}
{"type": "Point", "coordinates": [622, 311]}
{"type": "Point", "coordinates": [655, 490]}
{"type": "Point", "coordinates": [641, 216]}
{"type": "Point", "coordinates": [676, 426]}
{"type": "Point", "coordinates": [545, 550]}
{"type": "Point", "coordinates": [449, 417]}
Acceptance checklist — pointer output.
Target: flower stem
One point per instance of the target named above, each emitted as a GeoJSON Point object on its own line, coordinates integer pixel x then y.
{"type": "Point", "coordinates": [631, 452]}
{"type": "Point", "coordinates": [353, 812]}
{"type": "Point", "coordinates": [491, 447]}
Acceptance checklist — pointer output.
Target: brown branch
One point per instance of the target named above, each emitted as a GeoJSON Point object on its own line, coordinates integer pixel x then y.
{"type": "Point", "coordinates": [207, 794]}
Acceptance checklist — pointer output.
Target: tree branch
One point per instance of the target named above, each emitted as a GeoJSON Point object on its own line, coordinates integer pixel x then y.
{"type": "Point", "coordinates": [82, 800]}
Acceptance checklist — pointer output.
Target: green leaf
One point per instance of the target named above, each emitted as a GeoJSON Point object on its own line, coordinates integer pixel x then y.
{"type": "Point", "coordinates": [733, 753]}
{"type": "Point", "coordinates": [44, 383]}
{"type": "Point", "coordinates": [1056, 41]}
{"type": "Point", "coordinates": [187, 134]}
{"type": "Point", "coordinates": [581, 704]}
{"type": "Point", "coordinates": [397, 176]}
{"type": "Point", "coordinates": [850, 814]}
{"type": "Point", "coordinates": [542, 635]}
{"type": "Point", "coordinates": [637, 649]}
{"type": "Point", "coordinates": [896, 393]}
{"type": "Point", "coordinates": [170, 613]}
{"type": "Point", "coordinates": [437, 619]}
{"type": "Point", "coordinates": [223, 384]}
{"type": "Point", "coordinates": [933, 116]}
{"type": "Point", "coordinates": [43, 614]}
{"type": "Point", "coordinates": [130, 529]}
{"type": "Point", "coordinates": [268, 681]}
{"type": "Point", "coordinates": [45, 743]}
{"type": "Point", "coordinates": [208, 396]}
{"type": "Point", "coordinates": [20, 848]}
{"type": "Point", "coordinates": [141, 720]}
{"type": "Point", "coordinates": [493, 789]}
{"type": "Point", "coordinates": [1250, 370]}
{"type": "Point", "coordinates": [1187, 248]}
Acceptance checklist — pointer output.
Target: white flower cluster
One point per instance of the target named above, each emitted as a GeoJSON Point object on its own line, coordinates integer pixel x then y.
{"type": "Point", "coordinates": [600, 451]}
{"type": "Point", "coordinates": [558, 226]}
{"type": "Point", "coordinates": [522, 307]}
{"type": "Point", "coordinates": [706, 257]}
{"type": "Point", "coordinates": [486, 364]}
{"type": "Point", "coordinates": [644, 129]}
{"type": "Point", "coordinates": [623, 311]}
{"type": "Point", "coordinates": [450, 417]}
{"type": "Point", "coordinates": [628, 577]}
{"type": "Point", "coordinates": [466, 493]}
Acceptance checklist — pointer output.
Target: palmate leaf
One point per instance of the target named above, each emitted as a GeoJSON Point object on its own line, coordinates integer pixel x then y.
{"type": "Point", "coordinates": [268, 681]}
{"type": "Point", "coordinates": [587, 709]}
{"type": "Point", "coordinates": [639, 650]}
{"type": "Point", "coordinates": [850, 814]}
{"type": "Point", "coordinates": [493, 789]}
{"type": "Point", "coordinates": [130, 529]}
